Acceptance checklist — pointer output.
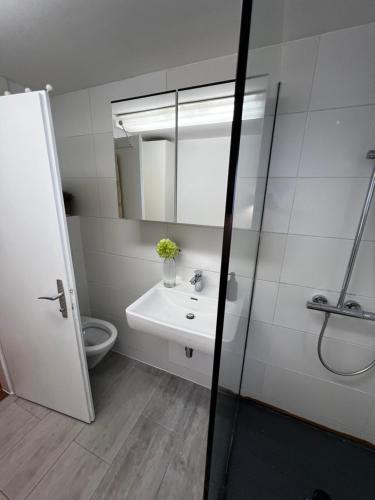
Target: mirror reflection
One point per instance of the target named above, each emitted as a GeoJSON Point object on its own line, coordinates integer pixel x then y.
{"type": "Point", "coordinates": [172, 154]}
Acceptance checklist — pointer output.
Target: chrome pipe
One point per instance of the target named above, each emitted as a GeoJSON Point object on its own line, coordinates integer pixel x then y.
{"type": "Point", "coordinates": [358, 236]}
{"type": "Point", "coordinates": [351, 308]}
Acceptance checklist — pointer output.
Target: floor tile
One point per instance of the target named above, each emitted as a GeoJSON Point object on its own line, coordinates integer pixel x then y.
{"type": "Point", "coordinates": [171, 402]}
{"type": "Point", "coordinates": [184, 477]}
{"type": "Point", "coordinates": [37, 410]}
{"type": "Point", "coordinates": [139, 467]}
{"type": "Point", "coordinates": [75, 476]}
{"type": "Point", "coordinates": [119, 410]}
{"type": "Point", "coordinates": [23, 467]}
{"type": "Point", "coordinates": [105, 374]}
{"type": "Point", "coordinates": [15, 423]}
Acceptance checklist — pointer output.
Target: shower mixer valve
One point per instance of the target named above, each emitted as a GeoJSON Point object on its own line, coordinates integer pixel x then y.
{"type": "Point", "coordinates": [350, 308]}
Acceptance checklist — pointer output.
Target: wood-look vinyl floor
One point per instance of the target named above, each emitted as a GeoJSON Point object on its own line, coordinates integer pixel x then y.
{"type": "Point", "coordinates": [148, 440]}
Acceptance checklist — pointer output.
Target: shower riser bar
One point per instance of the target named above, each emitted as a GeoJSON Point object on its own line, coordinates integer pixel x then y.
{"type": "Point", "coordinates": [350, 308]}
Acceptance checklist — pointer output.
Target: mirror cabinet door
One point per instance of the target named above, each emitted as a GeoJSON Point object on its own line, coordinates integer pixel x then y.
{"type": "Point", "coordinates": [144, 131]}
{"type": "Point", "coordinates": [204, 127]}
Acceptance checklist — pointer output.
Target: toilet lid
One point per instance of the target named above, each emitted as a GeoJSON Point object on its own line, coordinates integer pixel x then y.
{"type": "Point", "coordinates": [93, 335]}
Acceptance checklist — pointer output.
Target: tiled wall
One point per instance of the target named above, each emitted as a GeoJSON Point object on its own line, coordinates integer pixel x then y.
{"type": "Point", "coordinates": [319, 176]}
{"type": "Point", "coordinates": [120, 257]}
{"type": "Point", "coordinates": [318, 179]}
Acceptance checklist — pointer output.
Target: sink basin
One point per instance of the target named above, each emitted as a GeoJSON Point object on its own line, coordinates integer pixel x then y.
{"type": "Point", "coordinates": [177, 314]}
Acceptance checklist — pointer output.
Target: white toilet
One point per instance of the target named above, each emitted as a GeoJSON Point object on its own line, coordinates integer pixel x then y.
{"type": "Point", "coordinates": [99, 337]}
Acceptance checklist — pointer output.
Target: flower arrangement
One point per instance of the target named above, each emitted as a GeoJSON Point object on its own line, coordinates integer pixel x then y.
{"type": "Point", "coordinates": [167, 249]}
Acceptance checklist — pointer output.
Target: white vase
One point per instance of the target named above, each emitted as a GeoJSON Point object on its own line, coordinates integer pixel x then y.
{"type": "Point", "coordinates": [169, 273]}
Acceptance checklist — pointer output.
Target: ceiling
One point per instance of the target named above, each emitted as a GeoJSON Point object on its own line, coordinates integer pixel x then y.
{"type": "Point", "coordinates": [74, 44]}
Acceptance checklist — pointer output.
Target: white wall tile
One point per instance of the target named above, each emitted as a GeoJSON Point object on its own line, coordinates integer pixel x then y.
{"type": "Point", "coordinates": [345, 71]}
{"type": "Point", "coordinates": [243, 252]}
{"type": "Point", "coordinates": [328, 207]}
{"type": "Point", "coordinates": [264, 301]}
{"type": "Point", "coordinates": [209, 71]}
{"type": "Point", "coordinates": [230, 371]}
{"type": "Point", "coordinates": [336, 143]}
{"type": "Point", "coordinates": [71, 114]}
{"type": "Point", "coordinates": [266, 61]}
{"type": "Point", "coordinates": [249, 164]}
{"type": "Point", "coordinates": [279, 201]}
{"type": "Point", "coordinates": [297, 351]}
{"type": "Point", "coordinates": [287, 144]}
{"type": "Point", "coordinates": [138, 345]}
{"type": "Point", "coordinates": [92, 234]}
{"type": "Point", "coordinates": [291, 311]}
{"type": "Point", "coordinates": [253, 378]}
{"type": "Point", "coordinates": [104, 155]}
{"type": "Point", "coordinates": [297, 70]}
{"type": "Point", "coordinates": [86, 194]}
{"type": "Point", "coordinates": [200, 246]}
{"type": "Point", "coordinates": [362, 281]}
{"type": "Point", "coordinates": [135, 275]}
{"type": "Point", "coordinates": [259, 341]}
{"type": "Point", "coordinates": [133, 238]}
{"type": "Point", "coordinates": [324, 402]}
{"type": "Point", "coordinates": [234, 333]}
{"type": "Point", "coordinates": [200, 361]}
{"type": "Point", "coordinates": [248, 203]}
{"type": "Point", "coordinates": [271, 256]}
{"type": "Point", "coordinates": [101, 96]}
{"type": "Point", "coordinates": [76, 156]}
{"type": "Point", "coordinates": [370, 431]}
{"type": "Point", "coordinates": [108, 198]}
{"type": "Point", "coordinates": [315, 262]}
{"type": "Point", "coordinates": [109, 300]}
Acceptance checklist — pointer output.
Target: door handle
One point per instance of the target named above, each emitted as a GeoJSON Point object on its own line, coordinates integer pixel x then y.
{"type": "Point", "coordinates": [60, 297]}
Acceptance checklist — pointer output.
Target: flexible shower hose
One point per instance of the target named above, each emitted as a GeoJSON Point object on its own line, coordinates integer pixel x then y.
{"type": "Point", "coordinates": [326, 365]}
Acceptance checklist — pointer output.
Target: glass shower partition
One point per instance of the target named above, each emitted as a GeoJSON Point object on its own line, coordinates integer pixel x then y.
{"type": "Point", "coordinates": [252, 131]}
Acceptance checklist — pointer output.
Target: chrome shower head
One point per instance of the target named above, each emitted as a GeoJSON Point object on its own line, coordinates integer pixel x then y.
{"type": "Point", "coordinates": [371, 154]}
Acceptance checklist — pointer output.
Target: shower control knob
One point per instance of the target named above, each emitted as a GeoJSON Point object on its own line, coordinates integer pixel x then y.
{"type": "Point", "coordinates": [352, 305]}
{"type": "Point", "coordinates": [320, 299]}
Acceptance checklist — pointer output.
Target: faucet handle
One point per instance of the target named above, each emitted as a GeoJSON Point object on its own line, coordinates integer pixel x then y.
{"type": "Point", "coordinates": [198, 273]}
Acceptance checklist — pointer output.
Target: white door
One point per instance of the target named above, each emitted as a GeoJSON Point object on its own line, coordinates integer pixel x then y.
{"type": "Point", "coordinates": [44, 350]}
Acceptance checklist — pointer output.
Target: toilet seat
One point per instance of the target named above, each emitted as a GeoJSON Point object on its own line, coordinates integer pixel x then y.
{"type": "Point", "coordinates": [99, 337]}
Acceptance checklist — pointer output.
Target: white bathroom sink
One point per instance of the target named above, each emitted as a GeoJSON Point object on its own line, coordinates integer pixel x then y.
{"type": "Point", "coordinates": [163, 312]}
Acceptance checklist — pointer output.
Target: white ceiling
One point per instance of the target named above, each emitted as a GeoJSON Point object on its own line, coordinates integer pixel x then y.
{"type": "Point", "coordinates": [74, 44]}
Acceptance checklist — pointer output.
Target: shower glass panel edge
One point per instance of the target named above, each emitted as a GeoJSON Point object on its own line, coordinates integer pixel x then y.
{"type": "Point", "coordinates": [224, 395]}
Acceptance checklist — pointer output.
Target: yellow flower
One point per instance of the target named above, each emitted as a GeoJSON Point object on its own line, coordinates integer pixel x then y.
{"type": "Point", "coordinates": [167, 249]}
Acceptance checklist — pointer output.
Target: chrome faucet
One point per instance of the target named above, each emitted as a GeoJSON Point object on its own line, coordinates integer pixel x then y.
{"type": "Point", "coordinates": [197, 280]}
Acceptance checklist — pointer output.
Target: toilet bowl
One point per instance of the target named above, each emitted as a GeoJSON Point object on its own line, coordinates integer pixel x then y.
{"type": "Point", "coordinates": [99, 337]}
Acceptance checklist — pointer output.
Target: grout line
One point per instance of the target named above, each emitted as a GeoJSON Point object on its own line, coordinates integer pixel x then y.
{"type": "Point", "coordinates": [306, 235]}
{"type": "Point", "coordinates": [318, 48]}
{"type": "Point", "coordinates": [302, 142]}
{"type": "Point", "coordinates": [5, 495]}
{"type": "Point", "coordinates": [89, 451]}
{"type": "Point", "coordinates": [29, 412]}
{"type": "Point", "coordinates": [49, 469]}
{"type": "Point", "coordinates": [313, 334]}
